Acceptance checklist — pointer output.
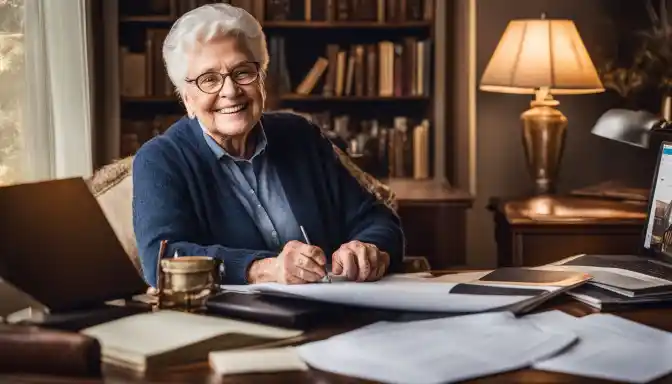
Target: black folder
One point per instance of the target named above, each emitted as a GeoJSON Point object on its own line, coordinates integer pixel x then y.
{"type": "Point", "coordinates": [286, 312]}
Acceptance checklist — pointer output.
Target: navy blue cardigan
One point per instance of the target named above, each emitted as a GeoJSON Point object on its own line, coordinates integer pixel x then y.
{"type": "Point", "coordinates": [180, 194]}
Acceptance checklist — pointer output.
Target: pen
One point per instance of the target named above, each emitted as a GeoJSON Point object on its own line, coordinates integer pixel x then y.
{"type": "Point", "coordinates": [326, 278]}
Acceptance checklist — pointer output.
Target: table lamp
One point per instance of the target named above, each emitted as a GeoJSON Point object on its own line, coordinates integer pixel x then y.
{"type": "Point", "coordinates": [542, 57]}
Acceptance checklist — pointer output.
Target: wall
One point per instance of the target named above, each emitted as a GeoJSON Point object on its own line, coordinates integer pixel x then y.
{"type": "Point", "coordinates": [499, 161]}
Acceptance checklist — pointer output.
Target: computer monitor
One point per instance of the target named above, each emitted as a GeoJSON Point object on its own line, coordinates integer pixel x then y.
{"type": "Point", "coordinates": [658, 227]}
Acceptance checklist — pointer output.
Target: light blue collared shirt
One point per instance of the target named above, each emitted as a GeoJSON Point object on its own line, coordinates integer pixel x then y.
{"type": "Point", "coordinates": [257, 185]}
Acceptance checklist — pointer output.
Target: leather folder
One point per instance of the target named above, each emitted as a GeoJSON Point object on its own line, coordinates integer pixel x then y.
{"type": "Point", "coordinates": [279, 311]}
{"type": "Point", "coordinates": [29, 349]}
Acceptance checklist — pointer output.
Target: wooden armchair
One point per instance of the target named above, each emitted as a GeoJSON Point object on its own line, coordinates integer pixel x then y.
{"type": "Point", "coordinates": [112, 186]}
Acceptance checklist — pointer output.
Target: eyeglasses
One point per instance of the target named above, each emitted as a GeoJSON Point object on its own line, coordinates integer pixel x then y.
{"type": "Point", "coordinates": [212, 82]}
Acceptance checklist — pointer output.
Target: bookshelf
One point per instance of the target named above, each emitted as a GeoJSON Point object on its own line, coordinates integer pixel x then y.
{"type": "Point", "coordinates": [351, 97]}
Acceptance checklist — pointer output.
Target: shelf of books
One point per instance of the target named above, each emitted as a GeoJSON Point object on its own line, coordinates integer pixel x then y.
{"type": "Point", "coordinates": [360, 69]}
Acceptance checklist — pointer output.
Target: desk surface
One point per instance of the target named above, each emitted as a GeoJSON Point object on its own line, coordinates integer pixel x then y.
{"type": "Point", "coordinates": [200, 373]}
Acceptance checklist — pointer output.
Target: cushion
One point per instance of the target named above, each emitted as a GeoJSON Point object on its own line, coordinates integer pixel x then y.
{"type": "Point", "coordinates": [112, 186]}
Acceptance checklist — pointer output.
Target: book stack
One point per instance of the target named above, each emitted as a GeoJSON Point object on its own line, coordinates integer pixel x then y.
{"type": "Point", "coordinates": [618, 281]}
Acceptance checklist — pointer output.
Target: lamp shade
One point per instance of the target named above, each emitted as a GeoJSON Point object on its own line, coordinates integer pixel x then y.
{"type": "Point", "coordinates": [538, 53]}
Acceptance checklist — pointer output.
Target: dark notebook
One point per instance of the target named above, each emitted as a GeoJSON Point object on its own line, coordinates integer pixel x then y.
{"type": "Point", "coordinates": [475, 289]}
{"type": "Point", "coordinates": [273, 310]}
{"type": "Point", "coordinates": [606, 300]}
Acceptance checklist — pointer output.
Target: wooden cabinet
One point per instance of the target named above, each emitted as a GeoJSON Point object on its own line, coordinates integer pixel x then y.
{"type": "Point", "coordinates": [434, 219]}
{"type": "Point", "coordinates": [542, 230]}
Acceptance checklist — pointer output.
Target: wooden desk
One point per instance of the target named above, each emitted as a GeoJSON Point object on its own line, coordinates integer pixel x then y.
{"type": "Point", "coordinates": [200, 373]}
{"type": "Point", "coordinates": [434, 219]}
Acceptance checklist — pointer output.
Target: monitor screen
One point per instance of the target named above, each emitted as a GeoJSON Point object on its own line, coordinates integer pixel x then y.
{"type": "Point", "coordinates": [658, 236]}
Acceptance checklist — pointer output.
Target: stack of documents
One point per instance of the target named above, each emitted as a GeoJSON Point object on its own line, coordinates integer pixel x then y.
{"type": "Point", "coordinates": [436, 351]}
{"type": "Point", "coordinates": [608, 300]}
{"type": "Point", "coordinates": [618, 280]}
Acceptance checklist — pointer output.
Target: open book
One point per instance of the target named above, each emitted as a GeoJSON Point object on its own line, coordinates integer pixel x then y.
{"type": "Point", "coordinates": [152, 340]}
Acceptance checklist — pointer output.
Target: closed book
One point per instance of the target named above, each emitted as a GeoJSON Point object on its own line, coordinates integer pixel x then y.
{"type": "Point", "coordinates": [606, 300]}
{"type": "Point", "coordinates": [313, 76]}
{"type": "Point", "coordinates": [150, 341]}
{"type": "Point", "coordinates": [421, 151]}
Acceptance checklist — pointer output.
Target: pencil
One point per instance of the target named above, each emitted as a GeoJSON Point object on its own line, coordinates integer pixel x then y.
{"type": "Point", "coordinates": [326, 278]}
{"type": "Point", "coordinates": [159, 275]}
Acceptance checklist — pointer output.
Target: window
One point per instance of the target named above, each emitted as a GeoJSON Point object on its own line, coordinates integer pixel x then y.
{"type": "Point", "coordinates": [12, 65]}
{"type": "Point", "coordinates": [45, 106]}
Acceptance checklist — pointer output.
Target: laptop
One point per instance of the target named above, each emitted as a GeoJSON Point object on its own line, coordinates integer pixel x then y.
{"type": "Point", "coordinates": [650, 271]}
{"type": "Point", "coordinates": [57, 246]}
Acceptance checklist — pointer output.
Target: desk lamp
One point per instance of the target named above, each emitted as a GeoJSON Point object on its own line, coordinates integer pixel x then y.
{"type": "Point", "coordinates": [629, 127]}
{"type": "Point", "coordinates": [542, 57]}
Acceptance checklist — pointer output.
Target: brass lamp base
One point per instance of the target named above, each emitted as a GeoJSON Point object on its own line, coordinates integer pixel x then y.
{"type": "Point", "coordinates": [544, 131]}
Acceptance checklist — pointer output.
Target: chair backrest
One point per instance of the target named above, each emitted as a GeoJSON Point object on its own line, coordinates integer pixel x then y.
{"type": "Point", "coordinates": [112, 186]}
{"type": "Point", "coordinates": [381, 191]}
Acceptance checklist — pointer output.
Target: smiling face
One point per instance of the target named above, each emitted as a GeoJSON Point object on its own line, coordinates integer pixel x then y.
{"type": "Point", "coordinates": [233, 111]}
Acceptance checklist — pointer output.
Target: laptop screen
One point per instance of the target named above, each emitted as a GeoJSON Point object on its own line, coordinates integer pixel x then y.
{"type": "Point", "coordinates": [658, 235]}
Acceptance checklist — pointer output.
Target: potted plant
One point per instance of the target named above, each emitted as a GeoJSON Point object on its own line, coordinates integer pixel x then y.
{"type": "Point", "coordinates": [651, 64]}
{"type": "Point", "coordinates": [657, 54]}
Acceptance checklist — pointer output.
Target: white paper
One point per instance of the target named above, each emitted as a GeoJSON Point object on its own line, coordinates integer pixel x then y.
{"type": "Point", "coordinates": [256, 360]}
{"type": "Point", "coordinates": [435, 351]}
{"type": "Point", "coordinates": [393, 293]}
{"type": "Point", "coordinates": [610, 348]}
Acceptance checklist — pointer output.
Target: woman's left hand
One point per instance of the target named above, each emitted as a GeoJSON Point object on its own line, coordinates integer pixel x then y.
{"type": "Point", "coordinates": [360, 261]}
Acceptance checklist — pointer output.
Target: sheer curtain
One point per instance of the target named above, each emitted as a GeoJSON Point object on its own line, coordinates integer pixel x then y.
{"type": "Point", "coordinates": [50, 118]}
{"type": "Point", "coordinates": [11, 91]}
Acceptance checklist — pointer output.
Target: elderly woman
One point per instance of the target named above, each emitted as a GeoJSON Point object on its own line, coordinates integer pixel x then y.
{"type": "Point", "coordinates": [237, 184]}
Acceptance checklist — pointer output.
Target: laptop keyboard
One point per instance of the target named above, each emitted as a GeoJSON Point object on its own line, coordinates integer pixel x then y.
{"type": "Point", "coordinates": [644, 266]}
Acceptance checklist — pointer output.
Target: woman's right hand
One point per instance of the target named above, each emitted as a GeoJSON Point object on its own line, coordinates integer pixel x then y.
{"type": "Point", "coordinates": [300, 263]}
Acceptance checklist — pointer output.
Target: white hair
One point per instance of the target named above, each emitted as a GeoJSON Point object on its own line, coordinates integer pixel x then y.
{"type": "Point", "coordinates": [207, 23]}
